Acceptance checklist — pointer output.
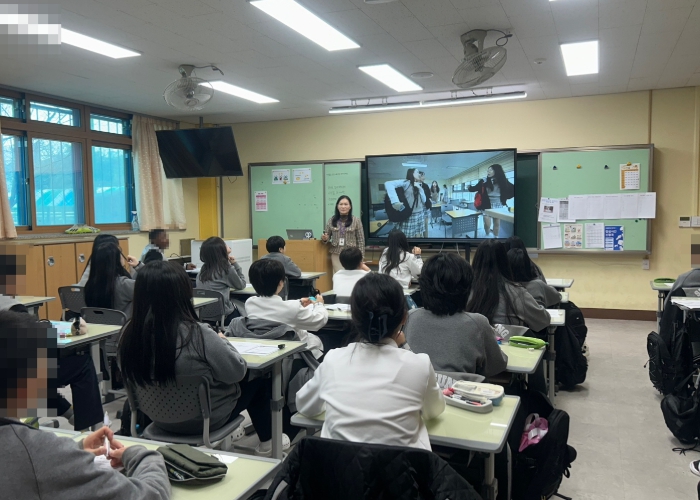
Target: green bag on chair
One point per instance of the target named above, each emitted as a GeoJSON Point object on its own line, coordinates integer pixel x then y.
{"type": "Point", "coordinates": [185, 465]}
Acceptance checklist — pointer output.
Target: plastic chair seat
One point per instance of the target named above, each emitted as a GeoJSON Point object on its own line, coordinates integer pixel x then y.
{"type": "Point", "coordinates": [155, 433]}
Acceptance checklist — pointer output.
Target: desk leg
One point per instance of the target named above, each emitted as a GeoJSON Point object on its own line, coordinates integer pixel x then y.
{"type": "Point", "coordinates": [550, 365]}
{"type": "Point", "coordinates": [659, 308]}
{"type": "Point", "coordinates": [34, 310]}
{"type": "Point", "coordinates": [490, 482]}
{"type": "Point", "coordinates": [276, 406]}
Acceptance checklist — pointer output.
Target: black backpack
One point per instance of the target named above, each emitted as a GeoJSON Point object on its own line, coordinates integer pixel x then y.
{"type": "Point", "coordinates": [570, 364]}
{"type": "Point", "coordinates": [681, 411]}
{"type": "Point", "coordinates": [575, 321]}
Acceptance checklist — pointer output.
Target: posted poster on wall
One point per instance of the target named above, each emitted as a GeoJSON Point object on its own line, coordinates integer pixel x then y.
{"type": "Point", "coordinates": [573, 236]}
{"type": "Point", "coordinates": [615, 238]}
{"type": "Point", "coordinates": [629, 176]}
{"type": "Point", "coordinates": [301, 176]}
{"type": "Point", "coordinates": [280, 176]}
{"type": "Point", "coordinates": [261, 201]}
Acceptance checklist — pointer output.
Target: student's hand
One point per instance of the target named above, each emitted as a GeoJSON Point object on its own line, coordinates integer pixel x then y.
{"type": "Point", "coordinates": [115, 454]}
{"type": "Point", "coordinates": [364, 267]}
{"type": "Point", "coordinates": [416, 251]}
{"type": "Point", "coordinates": [190, 266]}
{"type": "Point", "coordinates": [231, 259]}
{"type": "Point", "coordinates": [397, 206]}
{"type": "Point", "coordinates": [319, 299]}
{"type": "Point", "coordinates": [324, 236]}
{"type": "Point", "coordinates": [222, 335]}
{"type": "Point", "coordinates": [95, 442]}
{"type": "Point", "coordinates": [132, 261]}
{"type": "Point", "coordinates": [305, 302]}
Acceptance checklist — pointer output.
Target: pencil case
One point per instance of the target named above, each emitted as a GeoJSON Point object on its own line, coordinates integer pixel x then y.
{"type": "Point", "coordinates": [526, 342]}
{"type": "Point", "coordinates": [483, 405]}
{"type": "Point", "coordinates": [186, 465]}
{"type": "Point", "coordinates": [478, 391]}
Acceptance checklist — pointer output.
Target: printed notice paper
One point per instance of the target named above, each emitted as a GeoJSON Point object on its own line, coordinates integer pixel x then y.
{"type": "Point", "coordinates": [612, 205]}
{"type": "Point", "coordinates": [564, 211]}
{"type": "Point", "coordinates": [280, 176]}
{"type": "Point", "coordinates": [551, 234]}
{"type": "Point", "coordinates": [261, 201]}
{"type": "Point", "coordinates": [578, 207]}
{"type": "Point", "coordinates": [301, 175]}
{"type": "Point", "coordinates": [596, 208]}
{"type": "Point", "coordinates": [629, 176]}
{"type": "Point", "coordinates": [614, 238]}
{"type": "Point", "coordinates": [595, 235]}
{"type": "Point", "coordinates": [549, 211]}
{"type": "Point", "coordinates": [646, 205]}
{"type": "Point", "coordinates": [573, 236]}
{"type": "Point", "coordinates": [629, 206]}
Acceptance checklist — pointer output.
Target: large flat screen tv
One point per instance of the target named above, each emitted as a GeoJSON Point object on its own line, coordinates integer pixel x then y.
{"type": "Point", "coordinates": [200, 152]}
{"type": "Point", "coordinates": [455, 196]}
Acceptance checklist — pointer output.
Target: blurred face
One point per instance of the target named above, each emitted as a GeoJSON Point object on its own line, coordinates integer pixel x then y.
{"type": "Point", "coordinates": [162, 241]}
{"type": "Point", "coordinates": [418, 175]}
{"type": "Point", "coordinates": [490, 172]}
{"type": "Point", "coordinates": [31, 392]}
{"type": "Point", "coordinates": [344, 206]}
{"type": "Point", "coordinates": [13, 279]}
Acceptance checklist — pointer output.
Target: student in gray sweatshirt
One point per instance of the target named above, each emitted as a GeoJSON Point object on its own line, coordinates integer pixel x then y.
{"type": "Point", "coordinates": [523, 273]}
{"type": "Point", "coordinates": [164, 340]}
{"type": "Point", "coordinates": [455, 340]}
{"type": "Point", "coordinates": [39, 464]}
{"type": "Point", "coordinates": [110, 286]}
{"type": "Point", "coordinates": [220, 272]}
{"type": "Point", "coordinates": [276, 246]}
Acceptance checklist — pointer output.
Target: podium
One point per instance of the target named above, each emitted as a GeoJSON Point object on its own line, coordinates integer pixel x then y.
{"type": "Point", "coordinates": [310, 256]}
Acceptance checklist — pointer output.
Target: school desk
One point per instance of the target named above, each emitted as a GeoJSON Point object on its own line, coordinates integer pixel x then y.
{"type": "Point", "coordinates": [662, 290]}
{"type": "Point", "coordinates": [559, 283]}
{"type": "Point", "coordinates": [307, 281]}
{"type": "Point", "coordinates": [558, 318]}
{"type": "Point", "coordinates": [272, 362]}
{"type": "Point", "coordinates": [686, 304]}
{"type": "Point", "coordinates": [522, 361]}
{"type": "Point", "coordinates": [564, 297]}
{"type": "Point", "coordinates": [95, 335]}
{"type": "Point", "coordinates": [33, 303]}
{"type": "Point", "coordinates": [246, 473]}
{"type": "Point", "coordinates": [500, 213]}
{"type": "Point", "coordinates": [461, 429]}
{"type": "Point", "coordinates": [463, 221]}
{"type": "Point", "coordinates": [199, 302]}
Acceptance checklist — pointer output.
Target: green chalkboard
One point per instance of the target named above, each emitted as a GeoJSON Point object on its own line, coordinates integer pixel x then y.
{"type": "Point", "coordinates": [527, 181]}
{"type": "Point", "coordinates": [343, 179]}
{"type": "Point", "coordinates": [593, 178]}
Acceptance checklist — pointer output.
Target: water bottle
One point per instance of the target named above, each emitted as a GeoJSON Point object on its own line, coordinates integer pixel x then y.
{"type": "Point", "coordinates": [135, 222]}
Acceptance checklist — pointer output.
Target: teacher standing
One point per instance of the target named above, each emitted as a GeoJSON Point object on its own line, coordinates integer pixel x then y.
{"type": "Point", "coordinates": [342, 231]}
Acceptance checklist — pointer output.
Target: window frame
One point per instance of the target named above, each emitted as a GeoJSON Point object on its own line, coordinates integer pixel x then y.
{"type": "Point", "coordinates": [30, 129]}
{"type": "Point", "coordinates": [23, 137]}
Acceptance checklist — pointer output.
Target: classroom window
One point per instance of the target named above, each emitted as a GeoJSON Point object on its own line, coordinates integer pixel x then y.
{"type": "Point", "coordinates": [109, 124]}
{"type": "Point", "coordinates": [9, 107]}
{"type": "Point", "coordinates": [58, 182]}
{"type": "Point", "coordinates": [113, 187]}
{"type": "Point", "coordinates": [50, 113]}
{"type": "Point", "coordinates": [15, 177]}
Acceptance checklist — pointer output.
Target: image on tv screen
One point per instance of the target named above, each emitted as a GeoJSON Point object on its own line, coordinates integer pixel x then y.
{"type": "Point", "coordinates": [459, 196]}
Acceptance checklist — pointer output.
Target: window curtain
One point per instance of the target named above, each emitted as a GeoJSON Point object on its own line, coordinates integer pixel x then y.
{"type": "Point", "coordinates": [159, 201]}
{"type": "Point", "coordinates": [7, 225]}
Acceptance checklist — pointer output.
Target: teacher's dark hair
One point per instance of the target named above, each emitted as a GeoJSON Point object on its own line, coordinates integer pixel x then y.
{"type": "Point", "coordinates": [397, 250]}
{"type": "Point", "coordinates": [378, 308]}
{"type": "Point", "coordinates": [163, 307]}
{"type": "Point", "coordinates": [336, 216]}
{"type": "Point", "coordinates": [105, 268]}
{"type": "Point", "coordinates": [445, 284]}
{"type": "Point", "coordinates": [521, 265]}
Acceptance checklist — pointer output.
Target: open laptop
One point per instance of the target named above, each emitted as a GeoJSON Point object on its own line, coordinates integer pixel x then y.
{"type": "Point", "coordinates": [300, 234]}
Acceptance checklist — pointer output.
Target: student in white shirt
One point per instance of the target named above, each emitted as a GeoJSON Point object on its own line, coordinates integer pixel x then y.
{"type": "Point", "coordinates": [399, 261]}
{"type": "Point", "coordinates": [353, 270]}
{"type": "Point", "coordinates": [267, 277]}
{"type": "Point", "coordinates": [372, 391]}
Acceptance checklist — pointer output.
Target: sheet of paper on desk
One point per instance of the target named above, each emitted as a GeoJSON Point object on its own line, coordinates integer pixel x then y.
{"type": "Point", "coordinates": [254, 349]}
{"type": "Point", "coordinates": [227, 459]}
{"type": "Point", "coordinates": [338, 307]}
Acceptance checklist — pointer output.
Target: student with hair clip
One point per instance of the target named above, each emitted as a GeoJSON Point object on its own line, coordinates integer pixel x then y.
{"type": "Point", "coordinates": [495, 295]}
{"type": "Point", "coordinates": [495, 191]}
{"type": "Point", "coordinates": [399, 261]}
{"type": "Point", "coordinates": [100, 239]}
{"type": "Point", "coordinates": [165, 340]}
{"type": "Point", "coordinates": [522, 268]}
{"type": "Point", "coordinates": [158, 241]}
{"type": "Point", "coordinates": [220, 272]}
{"type": "Point", "coordinates": [372, 390]}
{"type": "Point", "coordinates": [516, 242]}
{"type": "Point", "coordinates": [455, 340]}
{"type": "Point", "coordinates": [110, 286]}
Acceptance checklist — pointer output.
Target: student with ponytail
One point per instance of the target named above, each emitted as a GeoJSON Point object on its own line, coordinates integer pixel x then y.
{"type": "Point", "coordinates": [374, 391]}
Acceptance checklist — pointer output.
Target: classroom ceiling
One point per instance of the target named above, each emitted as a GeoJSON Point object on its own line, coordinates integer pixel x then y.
{"type": "Point", "coordinates": [644, 44]}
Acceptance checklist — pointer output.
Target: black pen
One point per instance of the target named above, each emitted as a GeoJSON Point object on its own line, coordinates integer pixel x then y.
{"type": "Point", "coordinates": [280, 346]}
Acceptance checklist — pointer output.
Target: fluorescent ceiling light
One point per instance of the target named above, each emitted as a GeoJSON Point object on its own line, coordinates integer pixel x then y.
{"type": "Point", "coordinates": [428, 104]}
{"type": "Point", "coordinates": [580, 58]}
{"type": "Point", "coordinates": [95, 45]}
{"type": "Point", "coordinates": [242, 93]}
{"type": "Point", "coordinates": [390, 77]}
{"type": "Point", "coordinates": [415, 165]}
{"type": "Point", "coordinates": [306, 23]}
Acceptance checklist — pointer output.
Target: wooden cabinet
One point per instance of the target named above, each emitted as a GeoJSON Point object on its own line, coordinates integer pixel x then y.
{"type": "Point", "coordinates": [60, 270]}
{"type": "Point", "coordinates": [310, 256]}
{"type": "Point", "coordinates": [82, 255]}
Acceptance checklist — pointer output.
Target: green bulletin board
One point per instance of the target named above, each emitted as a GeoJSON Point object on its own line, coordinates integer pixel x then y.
{"type": "Point", "coordinates": [594, 178]}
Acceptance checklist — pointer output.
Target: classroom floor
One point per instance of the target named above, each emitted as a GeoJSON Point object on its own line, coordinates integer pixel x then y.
{"type": "Point", "coordinates": [623, 445]}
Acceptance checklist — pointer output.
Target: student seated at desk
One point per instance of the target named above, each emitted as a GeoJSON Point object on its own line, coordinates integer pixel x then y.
{"type": "Point", "coordinates": [158, 241]}
{"type": "Point", "coordinates": [275, 245]}
{"type": "Point", "coordinates": [516, 242]}
{"type": "Point", "coordinates": [372, 391]}
{"type": "Point", "coordinates": [399, 261]}
{"type": "Point", "coordinates": [110, 286]}
{"type": "Point", "coordinates": [455, 340]}
{"type": "Point", "coordinates": [523, 273]}
{"type": "Point", "coordinates": [38, 464]}
{"type": "Point", "coordinates": [152, 256]}
{"type": "Point", "coordinates": [99, 240]}
{"type": "Point", "coordinates": [220, 272]}
{"type": "Point", "coordinates": [353, 271]}
{"type": "Point", "coordinates": [496, 296]}
{"type": "Point", "coordinates": [164, 340]}
{"type": "Point", "coordinates": [267, 278]}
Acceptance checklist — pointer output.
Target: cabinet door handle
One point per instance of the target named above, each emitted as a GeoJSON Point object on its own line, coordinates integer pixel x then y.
{"type": "Point", "coordinates": [50, 261]}
{"type": "Point", "coordinates": [81, 258]}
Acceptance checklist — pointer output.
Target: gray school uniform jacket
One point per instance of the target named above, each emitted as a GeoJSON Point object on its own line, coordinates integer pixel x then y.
{"type": "Point", "coordinates": [527, 311]}
{"type": "Point", "coordinates": [41, 465]}
{"type": "Point", "coordinates": [234, 278]}
{"type": "Point", "coordinates": [124, 292]}
{"type": "Point", "coordinates": [290, 268]}
{"type": "Point", "coordinates": [544, 294]}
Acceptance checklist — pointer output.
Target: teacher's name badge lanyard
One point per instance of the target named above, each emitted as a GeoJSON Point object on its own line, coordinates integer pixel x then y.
{"type": "Point", "coordinates": [342, 229]}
